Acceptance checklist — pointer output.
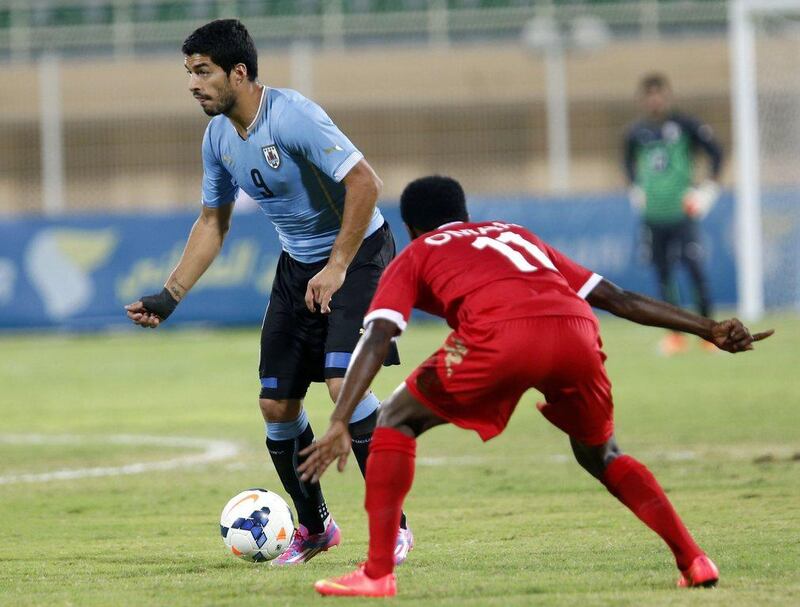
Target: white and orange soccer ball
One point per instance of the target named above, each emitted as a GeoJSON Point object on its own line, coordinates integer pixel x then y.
{"type": "Point", "coordinates": [257, 525]}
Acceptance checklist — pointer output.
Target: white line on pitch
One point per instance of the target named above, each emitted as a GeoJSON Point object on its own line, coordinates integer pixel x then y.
{"type": "Point", "coordinates": [727, 452]}
{"type": "Point", "coordinates": [212, 451]}
{"type": "Point", "coordinates": [555, 458]}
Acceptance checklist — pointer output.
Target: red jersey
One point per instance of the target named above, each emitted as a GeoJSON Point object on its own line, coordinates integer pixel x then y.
{"type": "Point", "coordinates": [477, 273]}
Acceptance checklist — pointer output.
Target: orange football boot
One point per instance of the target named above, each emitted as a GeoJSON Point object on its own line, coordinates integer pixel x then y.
{"type": "Point", "coordinates": [702, 572]}
{"type": "Point", "coordinates": [358, 583]}
{"type": "Point", "coordinates": [672, 344]}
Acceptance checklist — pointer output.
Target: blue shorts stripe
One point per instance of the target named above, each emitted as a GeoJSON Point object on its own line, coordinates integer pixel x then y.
{"type": "Point", "coordinates": [269, 382]}
{"type": "Point", "coordinates": [337, 360]}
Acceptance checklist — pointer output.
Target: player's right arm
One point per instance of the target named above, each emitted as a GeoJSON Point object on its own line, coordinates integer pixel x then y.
{"type": "Point", "coordinates": [204, 243]}
{"type": "Point", "coordinates": [729, 335]}
{"type": "Point", "coordinates": [636, 195]}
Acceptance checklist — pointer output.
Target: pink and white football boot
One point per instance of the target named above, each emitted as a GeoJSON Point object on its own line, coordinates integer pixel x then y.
{"type": "Point", "coordinates": [404, 545]}
{"type": "Point", "coordinates": [306, 546]}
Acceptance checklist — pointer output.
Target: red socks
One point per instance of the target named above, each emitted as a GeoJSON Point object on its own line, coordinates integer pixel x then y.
{"type": "Point", "coordinates": [635, 486]}
{"type": "Point", "coordinates": [390, 472]}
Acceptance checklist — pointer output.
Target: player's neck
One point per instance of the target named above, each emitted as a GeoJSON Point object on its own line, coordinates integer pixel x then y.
{"type": "Point", "coordinates": [244, 111]}
{"type": "Point", "coordinates": [658, 118]}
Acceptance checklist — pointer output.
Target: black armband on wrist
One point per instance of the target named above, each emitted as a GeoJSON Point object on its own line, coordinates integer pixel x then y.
{"type": "Point", "coordinates": [162, 304]}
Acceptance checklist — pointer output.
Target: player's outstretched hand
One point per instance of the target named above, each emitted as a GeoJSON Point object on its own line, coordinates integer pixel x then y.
{"type": "Point", "coordinates": [322, 286]}
{"type": "Point", "coordinates": [319, 454]}
{"type": "Point", "coordinates": [732, 336]}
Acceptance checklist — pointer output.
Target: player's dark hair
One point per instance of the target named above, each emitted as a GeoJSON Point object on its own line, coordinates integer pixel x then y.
{"type": "Point", "coordinates": [227, 42]}
{"type": "Point", "coordinates": [653, 80]}
{"type": "Point", "coordinates": [428, 202]}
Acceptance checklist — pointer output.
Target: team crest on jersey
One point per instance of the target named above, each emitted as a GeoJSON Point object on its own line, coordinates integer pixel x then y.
{"type": "Point", "coordinates": [271, 155]}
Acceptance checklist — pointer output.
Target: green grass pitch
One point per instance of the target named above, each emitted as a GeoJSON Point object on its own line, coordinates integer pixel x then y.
{"type": "Point", "coordinates": [511, 522]}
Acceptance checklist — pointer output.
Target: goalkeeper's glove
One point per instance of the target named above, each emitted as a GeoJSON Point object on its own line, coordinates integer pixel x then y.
{"type": "Point", "coordinates": [698, 201]}
{"type": "Point", "coordinates": [161, 304]}
{"type": "Point", "coordinates": [637, 198]}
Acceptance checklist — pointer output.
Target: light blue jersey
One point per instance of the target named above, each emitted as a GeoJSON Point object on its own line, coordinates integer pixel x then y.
{"type": "Point", "coordinates": [292, 164]}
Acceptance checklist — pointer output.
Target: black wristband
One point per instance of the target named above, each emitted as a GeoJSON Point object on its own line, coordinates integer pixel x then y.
{"type": "Point", "coordinates": [162, 304]}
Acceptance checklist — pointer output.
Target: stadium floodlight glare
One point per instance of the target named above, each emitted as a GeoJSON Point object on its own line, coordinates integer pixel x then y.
{"type": "Point", "coordinates": [589, 33]}
{"type": "Point", "coordinates": [541, 33]}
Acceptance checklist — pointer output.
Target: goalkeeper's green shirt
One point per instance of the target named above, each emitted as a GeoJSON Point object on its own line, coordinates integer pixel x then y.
{"type": "Point", "coordinates": [659, 158]}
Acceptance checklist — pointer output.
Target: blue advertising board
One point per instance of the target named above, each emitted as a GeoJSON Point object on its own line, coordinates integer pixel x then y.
{"type": "Point", "coordinates": [77, 272]}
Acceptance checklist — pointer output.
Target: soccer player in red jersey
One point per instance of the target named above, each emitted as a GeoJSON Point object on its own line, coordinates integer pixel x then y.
{"type": "Point", "coordinates": [521, 318]}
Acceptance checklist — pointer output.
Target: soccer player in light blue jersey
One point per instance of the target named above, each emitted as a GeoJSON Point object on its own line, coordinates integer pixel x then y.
{"type": "Point", "coordinates": [320, 194]}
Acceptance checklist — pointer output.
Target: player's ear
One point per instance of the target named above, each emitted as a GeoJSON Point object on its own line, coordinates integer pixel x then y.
{"type": "Point", "coordinates": [239, 73]}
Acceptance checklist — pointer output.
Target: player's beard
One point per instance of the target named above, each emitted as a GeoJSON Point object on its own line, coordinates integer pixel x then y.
{"type": "Point", "coordinates": [227, 99]}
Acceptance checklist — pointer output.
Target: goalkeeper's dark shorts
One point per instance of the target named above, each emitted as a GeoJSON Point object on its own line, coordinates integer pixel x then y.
{"type": "Point", "coordinates": [299, 347]}
{"type": "Point", "coordinates": [675, 241]}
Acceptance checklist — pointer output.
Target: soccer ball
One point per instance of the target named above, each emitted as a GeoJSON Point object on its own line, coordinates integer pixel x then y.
{"type": "Point", "coordinates": [257, 525]}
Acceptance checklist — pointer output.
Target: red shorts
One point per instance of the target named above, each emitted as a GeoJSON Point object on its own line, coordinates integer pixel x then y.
{"type": "Point", "coordinates": [476, 379]}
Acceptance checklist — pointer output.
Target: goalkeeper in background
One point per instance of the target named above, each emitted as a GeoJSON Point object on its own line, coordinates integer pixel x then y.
{"type": "Point", "coordinates": [659, 165]}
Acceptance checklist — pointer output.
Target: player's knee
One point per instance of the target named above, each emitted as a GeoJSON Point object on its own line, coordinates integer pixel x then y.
{"type": "Point", "coordinates": [401, 412]}
{"type": "Point", "coordinates": [279, 410]}
{"type": "Point", "coordinates": [334, 387]}
{"type": "Point", "coordinates": [595, 458]}
{"type": "Point", "coordinates": [611, 451]}
{"type": "Point", "coordinates": [390, 414]}
{"type": "Point", "coordinates": [395, 413]}
{"type": "Point", "coordinates": [587, 462]}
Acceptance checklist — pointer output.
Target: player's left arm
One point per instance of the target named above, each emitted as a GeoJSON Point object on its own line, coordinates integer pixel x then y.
{"type": "Point", "coordinates": [388, 316]}
{"type": "Point", "coordinates": [367, 359]}
{"type": "Point", "coordinates": [362, 187]}
{"type": "Point", "coordinates": [703, 137]}
{"type": "Point", "coordinates": [729, 335]}
{"type": "Point", "coordinates": [306, 130]}
{"type": "Point", "coordinates": [700, 199]}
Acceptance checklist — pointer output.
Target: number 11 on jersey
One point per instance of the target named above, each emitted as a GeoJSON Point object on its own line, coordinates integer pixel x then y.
{"type": "Point", "coordinates": [501, 245]}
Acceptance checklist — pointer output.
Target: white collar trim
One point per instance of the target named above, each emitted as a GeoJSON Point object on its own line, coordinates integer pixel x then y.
{"type": "Point", "coordinates": [260, 107]}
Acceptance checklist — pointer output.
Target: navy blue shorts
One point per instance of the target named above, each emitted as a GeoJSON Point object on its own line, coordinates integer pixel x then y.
{"type": "Point", "coordinates": [298, 346]}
